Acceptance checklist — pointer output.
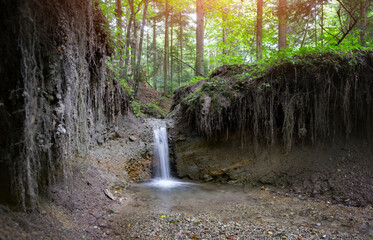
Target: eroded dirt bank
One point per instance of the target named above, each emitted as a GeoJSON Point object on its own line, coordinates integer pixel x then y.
{"type": "Point", "coordinates": [303, 125]}
{"type": "Point", "coordinates": [79, 204]}
{"type": "Point", "coordinates": [56, 99]}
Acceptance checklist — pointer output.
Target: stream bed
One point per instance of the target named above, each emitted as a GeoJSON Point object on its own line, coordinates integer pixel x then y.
{"type": "Point", "coordinates": [219, 211]}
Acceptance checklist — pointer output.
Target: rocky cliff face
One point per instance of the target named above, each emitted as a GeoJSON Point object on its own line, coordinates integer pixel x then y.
{"type": "Point", "coordinates": [55, 99]}
{"type": "Point", "coordinates": [304, 124]}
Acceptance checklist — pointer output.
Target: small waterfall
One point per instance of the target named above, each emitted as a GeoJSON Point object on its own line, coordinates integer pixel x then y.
{"type": "Point", "coordinates": [161, 162]}
{"type": "Point", "coordinates": [161, 153]}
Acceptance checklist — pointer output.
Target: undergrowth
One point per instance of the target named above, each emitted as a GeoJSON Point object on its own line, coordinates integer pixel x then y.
{"type": "Point", "coordinates": [312, 96]}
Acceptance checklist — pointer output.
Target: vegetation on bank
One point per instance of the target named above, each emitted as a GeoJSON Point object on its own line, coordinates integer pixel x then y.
{"type": "Point", "coordinates": [308, 98]}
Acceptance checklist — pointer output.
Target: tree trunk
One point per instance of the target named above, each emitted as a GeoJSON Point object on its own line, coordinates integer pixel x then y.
{"type": "Point", "coordinates": [154, 54]}
{"type": "Point", "coordinates": [282, 24]}
{"type": "Point", "coordinates": [134, 45]}
{"type": "Point", "coordinates": [181, 49]}
{"type": "Point", "coordinates": [128, 36]}
{"type": "Point", "coordinates": [118, 17]}
{"type": "Point", "coordinates": [364, 5]}
{"type": "Point", "coordinates": [165, 62]}
{"type": "Point", "coordinates": [137, 74]}
{"type": "Point", "coordinates": [171, 55]}
{"type": "Point", "coordinates": [147, 55]}
{"type": "Point", "coordinates": [322, 24]}
{"type": "Point", "coordinates": [224, 18]}
{"type": "Point", "coordinates": [200, 38]}
{"type": "Point", "coordinates": [316, 24]}
{"type": "Point", "coordinates": [259, 30]}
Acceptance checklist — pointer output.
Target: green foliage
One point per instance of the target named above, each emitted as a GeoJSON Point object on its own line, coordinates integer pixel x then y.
{"type": "Point", "coordinates": [304, 56]}
{"type": "Point", "coordinates": [136, 109]}
{"type": "Point", "coordinates": [217, 85]}
{"type": "Point", "coordinates": [194, 80]}
{"type": "Point", "coordinates": [154, 109]}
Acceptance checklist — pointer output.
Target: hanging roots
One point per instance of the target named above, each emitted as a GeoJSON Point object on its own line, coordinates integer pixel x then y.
{"type": "Point", "coordinates": [314, 98]}
{"type": "Point", "coordinates": [57, 90]}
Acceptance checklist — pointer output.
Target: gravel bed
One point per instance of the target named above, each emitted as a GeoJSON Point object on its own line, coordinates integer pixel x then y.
{"type": "Point", "coordinates": [203, 226]}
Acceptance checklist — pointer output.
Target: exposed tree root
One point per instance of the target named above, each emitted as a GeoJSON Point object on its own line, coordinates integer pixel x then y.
{"type": "Point", "coordinates": [310, 99]}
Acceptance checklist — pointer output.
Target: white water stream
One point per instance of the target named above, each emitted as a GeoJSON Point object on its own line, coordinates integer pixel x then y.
{"type": "Point", "coordinates": [161, 162]}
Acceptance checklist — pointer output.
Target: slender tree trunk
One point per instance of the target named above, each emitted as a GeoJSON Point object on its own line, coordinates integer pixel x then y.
{"type": "Point", "coordinates": [224, 18]}
{"type": "Point", "coordinates": [200, 38]}
{"type": "Point", "coordinates": [364, 5]}
{"type": "Point", "coordinates": [165, 62]}
{"type": "Point", "coordinates": [128, 38]}
{"type": "Point", "coordinates": [304, 35]}
{"type": "Point", "coordinates": [147, 54]}
{"type": "Point", "coordinates": [259, 30]}
{"type": "Point", "coordinates": [134, 45]}
{"type": "Point", "coordinates": [137, 74]}
{"type": "Point", "coordinates": [316, 14]}
{"type": "Point", "coordinates": [171, 55]}
{"type": "Point", "coordinates": [322, 23]}
{"type": "Point", "coordinates": [154, 54]}
{"type": "Point", "coordinates": [118, 16]}
{"type": "Point", "coordinates": [282, 24]}
{"type": "Point", "coordinates": [181, 49]}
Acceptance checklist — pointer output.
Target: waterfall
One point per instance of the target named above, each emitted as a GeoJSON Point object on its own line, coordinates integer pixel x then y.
{"type": "Point", "coordinates": [161, 153]}
{"type": "Point", "coordinates": [162, 177]}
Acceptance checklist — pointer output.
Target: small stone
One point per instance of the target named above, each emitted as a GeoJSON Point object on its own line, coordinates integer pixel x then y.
{"type": "Point", "coordinates": [109, 194]}
{"type": "Point", "coordinates": [132, 138]}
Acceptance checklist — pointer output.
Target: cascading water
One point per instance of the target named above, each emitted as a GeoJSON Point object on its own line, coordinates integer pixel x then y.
{"type": "Point", "coordinates": [161, 153]}
{"type": "Point", "coordinates": [161, 160]}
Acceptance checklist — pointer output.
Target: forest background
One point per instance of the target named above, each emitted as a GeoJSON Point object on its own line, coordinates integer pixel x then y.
{"type": "Point", "coordinates": [167, 44]}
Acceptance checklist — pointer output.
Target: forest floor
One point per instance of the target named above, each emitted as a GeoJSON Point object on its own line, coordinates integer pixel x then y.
{"type": "Point", "coordinates": [151, 103]}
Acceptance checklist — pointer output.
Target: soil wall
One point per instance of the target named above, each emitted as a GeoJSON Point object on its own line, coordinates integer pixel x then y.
{"type": "Point", "coordinates": [55, 100]}
{"type": "Point", "coordinates": [304, 124]}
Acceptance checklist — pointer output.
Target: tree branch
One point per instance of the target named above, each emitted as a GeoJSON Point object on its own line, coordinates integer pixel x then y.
{"type": "Point", "coordinates": [329, 32]}
{"type": "Point", "coordinates": [184, 63]}
{"type": "Point", "coordinates": [351, 26]}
